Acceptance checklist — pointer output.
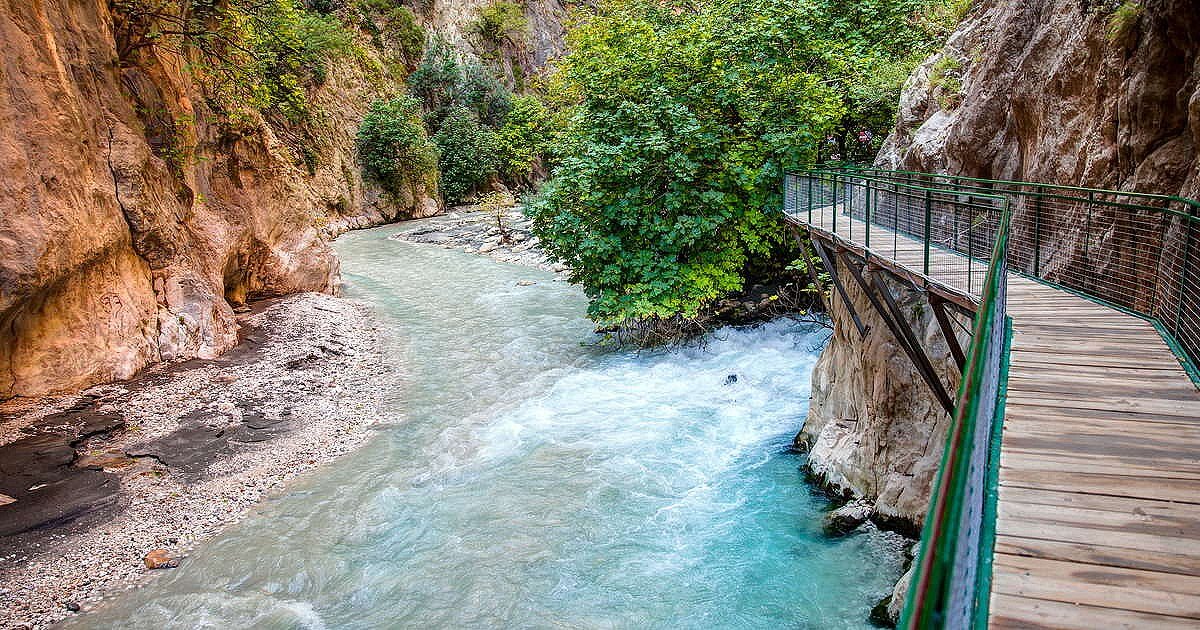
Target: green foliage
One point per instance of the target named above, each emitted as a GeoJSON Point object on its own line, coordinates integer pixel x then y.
{"type": "Point", "coordinates": [501, 22]}
{"type": "Point", "coordinates": [1123, 21]}
{"type": "Point", "coordinates": [251, 54]}
{"type": "Point", "coordinates": [467, 154]}
{"type": "Point", "coordinates": [393, 28]}
{"type": "Point", "coordinates": [940, 17]}
{"type": "Point", "coordinates": [392, 146]}
{"type": "Point", "coordinates": [523, 141]}
{"type": "Point", "coordinates": [946, 77]}
{"type": "Point", "coordinates": [682, 118]}
{"type": "Point", "coordinates": [442, 81]}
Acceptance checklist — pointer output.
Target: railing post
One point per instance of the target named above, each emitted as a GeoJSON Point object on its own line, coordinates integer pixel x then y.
{"type": "Point", "coordinates": [835, 202]}
{"type": "Point", "coordinates": [1183, 267]}
{"type": "Point", "coordinates": [810, 204]}
{"type": "Point", "coordinates": [1087, 243]}
{"type": "Point", "coordinates": [867, 239]}
{"type": "Point", "coordinates": [1037, 233]}
{"type": "Point", "coordinates": [928, 226]}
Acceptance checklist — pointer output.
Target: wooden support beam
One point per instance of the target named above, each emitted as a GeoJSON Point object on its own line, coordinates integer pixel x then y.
{"type": "Point", "coordinates": [837, 283]}
{"type": "Point", "coordinates": [943, 319]}
{"type": "Point", "coordinates": [885, 306]}
{"type": "Point", "coordinates": [808, 265]}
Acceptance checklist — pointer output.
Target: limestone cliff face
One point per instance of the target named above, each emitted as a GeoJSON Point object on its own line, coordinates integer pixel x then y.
{"type": "Point", "coordinates": [126, 236]}
{"type": "Point", "coordinates": [543, 40]}
{"type": "Point", "coordinates": [1061, 91]}
{"type": "Point", "coordinates": [874, 430]}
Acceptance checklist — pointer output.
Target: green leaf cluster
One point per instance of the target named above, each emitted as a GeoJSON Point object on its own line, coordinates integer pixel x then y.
{"type": "Point", "coordinates": [501, 22]}
{"type": "Point", "coordinates": [392, 145]}
{"type": "Point", "coordinates": [681, 119]}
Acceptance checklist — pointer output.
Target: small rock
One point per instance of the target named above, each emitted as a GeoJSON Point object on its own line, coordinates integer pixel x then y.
{"type": "Point", "coordinates": [731, 379]}
{"type": "Point", "coordinates": [160, 559]}
{"type": "Point", "coordinates": [525, 283]}
{"type": "Point", "coordinates": [847, 518]}
{"type": "Point", "coordinates": [72, 606]}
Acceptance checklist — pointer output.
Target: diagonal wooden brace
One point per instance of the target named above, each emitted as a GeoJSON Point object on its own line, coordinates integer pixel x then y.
{"type": "Point", "coordinates": [837, 283]}
{"type": "Point", "coordinates": [885, 305]}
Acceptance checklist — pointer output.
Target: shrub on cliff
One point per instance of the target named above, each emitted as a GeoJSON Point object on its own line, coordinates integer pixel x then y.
{"type": "Point", "coordinates": [393, 148]}
{"type": "Point", "coordinates": [467, 154]}
{"type": "Point", "coordinates": [682, 119]}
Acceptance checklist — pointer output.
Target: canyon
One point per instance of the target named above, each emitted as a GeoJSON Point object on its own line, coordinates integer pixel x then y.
{"type": "Point", "coordinates": [135, 221]}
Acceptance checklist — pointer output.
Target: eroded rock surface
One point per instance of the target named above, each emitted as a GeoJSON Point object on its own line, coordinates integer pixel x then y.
{"type": "Point", "coordinates": [1061, 91]}
{"type": "Point", "coordinates": [132, 219]}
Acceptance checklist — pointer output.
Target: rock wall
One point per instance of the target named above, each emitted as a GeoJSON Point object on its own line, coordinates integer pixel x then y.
{"type": "Point", "coordinates": [874, 429]}
{"type": "Point", "coordinates": [543, 40]}
{"type": "Point", "coordinates": [114, 253]}
{"type": "Point", "coordinates": [1061, 91]}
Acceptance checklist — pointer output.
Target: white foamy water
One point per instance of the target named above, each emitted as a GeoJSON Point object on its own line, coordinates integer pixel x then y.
{"type": "Point", "coordinates": [538, 481]}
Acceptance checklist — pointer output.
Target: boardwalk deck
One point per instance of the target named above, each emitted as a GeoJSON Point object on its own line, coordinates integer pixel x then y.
{"type": "Point", "coordinates": [1098, 520]}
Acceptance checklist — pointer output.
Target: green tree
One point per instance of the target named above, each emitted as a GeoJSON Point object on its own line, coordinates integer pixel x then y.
{"type": "Point", "coordinates": [392, 146]}
{"type": "Point", "coordinates": [523, 141]}
{"type": "Point", "coordinates": [682, 118]}
{"type": "Point", "coordinates": [467, 154]}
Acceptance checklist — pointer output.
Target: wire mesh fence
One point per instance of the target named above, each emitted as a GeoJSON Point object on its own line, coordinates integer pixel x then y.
{"type": "Point", "coordinates": [1138, 252]}
{"type": "Point", "coordinates": [1134, 251]}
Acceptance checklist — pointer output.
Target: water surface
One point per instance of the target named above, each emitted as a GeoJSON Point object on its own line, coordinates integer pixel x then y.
{"type": "Point", "coordinates": [540, 481]}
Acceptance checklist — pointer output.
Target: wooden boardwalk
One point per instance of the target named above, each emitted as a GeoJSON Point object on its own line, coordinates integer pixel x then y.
{"type": "Point", "coordinates": [1098, 520]}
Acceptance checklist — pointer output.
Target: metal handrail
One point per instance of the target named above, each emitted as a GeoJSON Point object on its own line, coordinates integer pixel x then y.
{"type": "Point", "coordinates": [1114, 247]}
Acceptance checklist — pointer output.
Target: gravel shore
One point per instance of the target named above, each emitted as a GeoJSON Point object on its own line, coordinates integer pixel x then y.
{"type": "Point", "coordinates": [476, 232]}
{"type": "Point", "coordinates": [188, 449]}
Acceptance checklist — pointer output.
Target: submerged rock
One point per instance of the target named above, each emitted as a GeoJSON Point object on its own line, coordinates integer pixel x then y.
{"type": "Point", "coordinates": [848, 518]}
{"type": "Point", "coordinates": [160, 559]}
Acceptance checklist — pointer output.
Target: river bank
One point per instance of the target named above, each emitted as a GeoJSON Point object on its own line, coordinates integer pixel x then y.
{"type": "Point", "coordinates": [167, 460]}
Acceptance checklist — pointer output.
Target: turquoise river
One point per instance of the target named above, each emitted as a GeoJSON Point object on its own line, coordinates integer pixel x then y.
{"type": "Point", "coordinates": [539, 480]}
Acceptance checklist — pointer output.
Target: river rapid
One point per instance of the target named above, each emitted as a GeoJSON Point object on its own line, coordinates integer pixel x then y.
{"type": "Point", "coordinates": [536, 479]}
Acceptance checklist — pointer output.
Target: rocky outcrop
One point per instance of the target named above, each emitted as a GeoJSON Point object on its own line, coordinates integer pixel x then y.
{"type": "Point", "coordinates": [874, 431]}
{"type": "Point", "coordinates": [1093, 93]}
{"type": "Point", "coordinates": [132, 221]}
{"type": "Point", "coordinates": [543, 39]}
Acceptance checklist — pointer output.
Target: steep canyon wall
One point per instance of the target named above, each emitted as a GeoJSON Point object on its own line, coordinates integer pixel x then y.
{"type": "Point", "coordinates": [133, 219]}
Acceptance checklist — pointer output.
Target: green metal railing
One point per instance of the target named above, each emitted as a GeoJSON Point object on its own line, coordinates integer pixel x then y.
{"type": "Point", "coordinates": [1136, 252]}
{"type": "Point", "coordinates": [962, 240]}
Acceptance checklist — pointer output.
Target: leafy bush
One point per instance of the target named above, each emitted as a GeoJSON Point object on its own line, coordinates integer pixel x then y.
{"type": "Point", "coordinates": [392, 146]}
{"type": "Point", "coordinates": [393, 28]}
{"type": "Point", "coordinates": [252, 55]}
{"type": "Point", "coordinates": [467, 154]}
{"type": "Point", "coordinates": [683, 117]}
{"type": "Point", "coordinates": [523, 140]}
{"type": "Point", "coordinates": [1124, 20]}
{"type": "Point", "coordinates": [443, 81]}
{"type": "Point", "coordinates": [946, 77]}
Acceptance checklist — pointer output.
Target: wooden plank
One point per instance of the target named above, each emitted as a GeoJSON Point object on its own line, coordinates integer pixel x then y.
{"type": "Point", "coordinates": [1181, 490]}
{"type": "Point", "coordinates": [1092, 553]}
{"type": "Point", "coordinates": [1093, 585]}
{"type": "Point", "coordinates": [1009, 611]}
{"type": "Point", "coordinates": [1179, 524]}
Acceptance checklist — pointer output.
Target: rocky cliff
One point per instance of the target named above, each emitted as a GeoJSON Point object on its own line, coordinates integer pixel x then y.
{"type": "Point", "coordinates": [133, 218]}
{"type": "Point", "coordinates": [1094, 93]}
{"type": "Point", "coordinates": [874, 429]}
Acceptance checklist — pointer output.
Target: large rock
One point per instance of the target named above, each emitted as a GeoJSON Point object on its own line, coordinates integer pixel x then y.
{"type": "Point", "coordinates": [114, 251]}
{"type": "Point", "coordinates": [1062, 91]}
{"type": "Point", "coordinates": [874, 429]}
